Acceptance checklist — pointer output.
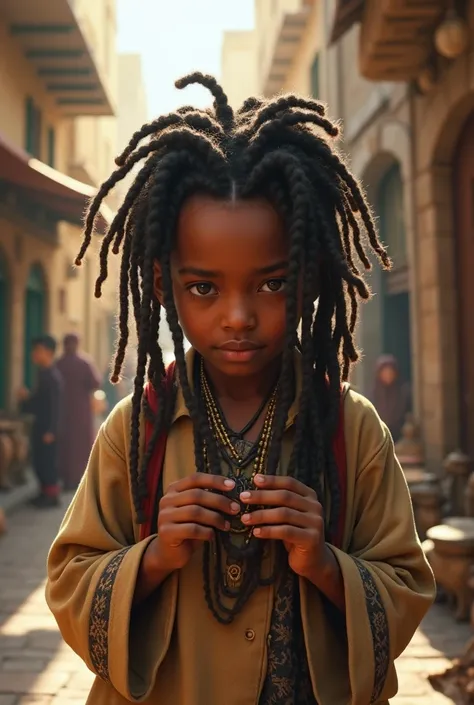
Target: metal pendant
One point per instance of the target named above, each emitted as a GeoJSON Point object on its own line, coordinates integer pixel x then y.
{"type": "Point", "coordinates": [233, 575]}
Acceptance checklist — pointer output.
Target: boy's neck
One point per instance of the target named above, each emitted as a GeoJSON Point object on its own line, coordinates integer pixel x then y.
{"type": "Point", "coordinates": [242, 389]}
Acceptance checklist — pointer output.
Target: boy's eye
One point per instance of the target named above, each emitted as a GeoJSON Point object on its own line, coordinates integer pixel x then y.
{"type": "Point", "coordinates": [274, 285]}
{"type": "Point", "coordinates": [202, 289]}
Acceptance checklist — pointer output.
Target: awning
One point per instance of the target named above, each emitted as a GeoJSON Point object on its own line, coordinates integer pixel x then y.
{"type": "Point", "coordinates": [347, 13]}
{"type": "Point", "coordinates": [47, 186]}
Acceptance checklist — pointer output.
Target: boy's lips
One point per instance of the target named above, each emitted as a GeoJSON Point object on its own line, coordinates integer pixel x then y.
{"type": "Point", "coordinates": [239, 350]}
{"type": "Point", "coordinates": [239, 346]}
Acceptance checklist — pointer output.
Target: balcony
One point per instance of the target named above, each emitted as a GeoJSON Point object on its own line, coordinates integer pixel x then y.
{"type": "Point", "coordinates": [288, 25]}
{"type": "Point", "coordinates": [396, 36]}
{"type": "Point", "coordinates": [58, 45]}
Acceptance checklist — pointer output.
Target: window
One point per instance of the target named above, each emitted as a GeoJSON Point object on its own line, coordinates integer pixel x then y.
{"type": "Point", "coordinates": [392, 216]}
{"type": "Point", "coordinates": [315, 77]}
{"type": "Point", "coordinates": [51, 146]}
{"type": "Point", "coordinates": [33, 128]}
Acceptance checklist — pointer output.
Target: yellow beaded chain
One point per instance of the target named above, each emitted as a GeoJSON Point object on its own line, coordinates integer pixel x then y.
{"type": "Point", "coordinates": [220, 430]}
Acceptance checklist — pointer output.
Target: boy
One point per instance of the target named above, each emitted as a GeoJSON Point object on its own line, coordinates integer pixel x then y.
{"type": "Point", "coordinates": [44, 405]}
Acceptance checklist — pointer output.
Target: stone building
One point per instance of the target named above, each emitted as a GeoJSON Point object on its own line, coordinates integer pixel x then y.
{"type": "Point", "coordinates": [400, 76]}
{"type": "Point", "coordinates": [57, 142]}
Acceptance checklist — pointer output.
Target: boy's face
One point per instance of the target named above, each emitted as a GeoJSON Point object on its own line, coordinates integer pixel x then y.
{"type": "Point", "coordinates": [41, 356]}
{"type": "Point", "coordinates": [229, 270]}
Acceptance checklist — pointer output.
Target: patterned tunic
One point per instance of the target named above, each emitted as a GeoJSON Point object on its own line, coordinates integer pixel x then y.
{"type": "Point", "coordinates": [288, 680]}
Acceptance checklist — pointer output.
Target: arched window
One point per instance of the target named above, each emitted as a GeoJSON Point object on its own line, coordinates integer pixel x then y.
{"type": "Point", "coordinates": [35, 316]}
{"type": "Point", "coordinates": [396, 332]}
{"type": "Point", "coordinates": [4, 287]}
{"type": "Point", "coordinates": [390, 208]}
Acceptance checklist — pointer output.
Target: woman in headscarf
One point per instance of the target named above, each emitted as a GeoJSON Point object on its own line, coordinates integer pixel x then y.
{"type": "Point", "coordinates": [391, 396]}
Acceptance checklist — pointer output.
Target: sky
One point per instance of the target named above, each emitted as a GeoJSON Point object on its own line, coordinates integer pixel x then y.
{"type": "Point", "coordinates": [175, 37]}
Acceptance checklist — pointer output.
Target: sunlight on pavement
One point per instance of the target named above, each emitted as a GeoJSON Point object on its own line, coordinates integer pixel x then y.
{"type": "Point", "coordinates": [36, 666]}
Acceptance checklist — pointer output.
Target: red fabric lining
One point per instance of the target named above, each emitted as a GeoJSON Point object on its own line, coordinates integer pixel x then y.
{"type": "Point", "coordinates": [157, 461]}
{"type": "Point", "coordinates": [158, 457]}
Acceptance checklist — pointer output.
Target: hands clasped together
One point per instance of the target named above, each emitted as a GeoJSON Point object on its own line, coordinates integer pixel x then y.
{"type": "Point", "coordinates": [288, 511]}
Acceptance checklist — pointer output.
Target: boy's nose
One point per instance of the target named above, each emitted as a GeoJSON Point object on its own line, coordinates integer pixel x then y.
{"type": "Point", "coordinates": [239, 314]}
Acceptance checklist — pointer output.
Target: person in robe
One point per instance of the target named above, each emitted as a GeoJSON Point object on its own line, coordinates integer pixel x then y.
{"type": "Point", "coordinates": [81, 380]}
{"type": "Point", "coordinates": [391, 395]}
{"type": "Point", "coordinates": [45, 403]}
{"type": "Point", "coordinates": [243, 534]}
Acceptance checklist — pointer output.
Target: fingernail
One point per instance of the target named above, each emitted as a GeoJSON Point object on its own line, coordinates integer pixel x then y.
{"type": "Point", "coordinates": [227, 525]}
{"type": "Point", "coordinates": [235, 507]}
{"type": "Point", "coordinates": [260, 479]}
{"type": "Point", "coordinates": [257, 532]}
{"type": "Point", "coordinates": [245, 517]}
{"type": "Point", "coordinates": [229, 483]}
{"type": "Point", "coordinates": [245, 495]}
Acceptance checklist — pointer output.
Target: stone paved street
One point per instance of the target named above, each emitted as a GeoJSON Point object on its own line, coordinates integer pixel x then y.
{"type": "Point", "coordinates": [36, 668]}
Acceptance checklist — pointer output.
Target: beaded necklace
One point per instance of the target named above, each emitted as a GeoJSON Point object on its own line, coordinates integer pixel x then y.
{"type": "Point", "coordinates": [234, 580]}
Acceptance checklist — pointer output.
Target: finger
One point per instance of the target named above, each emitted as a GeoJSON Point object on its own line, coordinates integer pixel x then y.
{"type": "Point", "coordinates": [282, 515]}
{"type": "Point", "coordinates": [217, 502]}
{"type": "Point", "coordinates": [201, 480]}
{"type": "Point", "coordinates": [174, 534]}
{"type": "Point", "coordinates": [284, 482]}
{"type": "Point", "coordinates": [290, 534]}
{"type": "Point", "coordinates": [280, 498]}
{"type": "Point", "coordinates": [192, 514]}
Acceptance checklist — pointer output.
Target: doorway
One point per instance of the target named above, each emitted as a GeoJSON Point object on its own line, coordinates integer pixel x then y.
{"type": "Point", "coordinates": [463, 185]}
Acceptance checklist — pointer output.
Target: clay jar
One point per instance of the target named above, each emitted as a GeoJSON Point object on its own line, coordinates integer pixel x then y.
{"type": "Point", "coordinates": [427, 501]}
{"type": "Point", "coordinates": [450, 552]}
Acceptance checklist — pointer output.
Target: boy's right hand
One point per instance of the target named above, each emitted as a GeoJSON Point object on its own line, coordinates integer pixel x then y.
{"type": "Point", "coordinates": [190, 511]}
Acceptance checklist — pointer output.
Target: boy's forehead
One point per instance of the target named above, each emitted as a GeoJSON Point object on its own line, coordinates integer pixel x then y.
{"type": "Point", "coordinates": [208, 227]}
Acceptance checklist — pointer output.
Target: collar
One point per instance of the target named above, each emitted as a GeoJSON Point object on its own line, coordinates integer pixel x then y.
{"type": "Point", "coordinates": [182, 410]}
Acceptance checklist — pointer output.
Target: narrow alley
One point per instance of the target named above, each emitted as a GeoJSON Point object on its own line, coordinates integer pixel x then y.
{"type": "Point", "coordinates": [37, 668]}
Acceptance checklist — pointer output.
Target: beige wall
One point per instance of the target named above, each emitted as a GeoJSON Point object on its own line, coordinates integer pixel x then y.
{"type": "Point", "coordinates": [299, 75]}
{"type": "Point", "coordinates": [94, 139]}
{"type": "Point", "coordinates": [98, 20]}
{"type": "Point", "coordinates": [132, 108]}
{"type": "Point", "coordinates": [239, 66]}
{"type": "Point", "coordinates": [18, 81]}
{"type": "Point", "coordinates": [269, 15]}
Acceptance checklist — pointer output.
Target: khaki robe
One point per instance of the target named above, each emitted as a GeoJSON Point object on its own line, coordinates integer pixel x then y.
{"type": "Point", "coordinates": [170, 650]}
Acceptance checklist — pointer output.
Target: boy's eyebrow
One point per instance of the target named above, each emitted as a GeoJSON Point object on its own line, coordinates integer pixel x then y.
{"type": "Point", "coordinates": [273, 267]}
{"type": "Point", "coordinates": [198, 272]}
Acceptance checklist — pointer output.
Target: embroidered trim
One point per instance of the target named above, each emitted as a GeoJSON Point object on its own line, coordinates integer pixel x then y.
{"type": "Point", "coordinates": [379, 628]}
{"type": "Point", "coordinates": [99, 617]}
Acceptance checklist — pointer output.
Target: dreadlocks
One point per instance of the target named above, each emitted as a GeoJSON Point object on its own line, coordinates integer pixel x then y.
{"type": "Point", "coordinates": [283, 150]}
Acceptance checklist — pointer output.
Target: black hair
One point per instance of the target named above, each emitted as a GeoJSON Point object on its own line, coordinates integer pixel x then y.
{"type": "Point", "coordinates": [45, 341]}
{"type": "Point", "coordinates": [284, 150]}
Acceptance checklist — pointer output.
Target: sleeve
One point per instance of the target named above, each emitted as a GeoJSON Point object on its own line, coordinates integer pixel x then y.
{"type": "Point", "coordinates": [388, 583]}
{"type": "Point", "coordinates": [93, 566]}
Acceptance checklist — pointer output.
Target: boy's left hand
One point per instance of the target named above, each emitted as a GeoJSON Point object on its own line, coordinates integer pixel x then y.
{"type": "Point", "coordinates": [292, 514]}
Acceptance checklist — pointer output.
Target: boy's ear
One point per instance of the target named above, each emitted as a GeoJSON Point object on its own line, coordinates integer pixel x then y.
{"type": "Point", "coordinates": [158, 281]}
